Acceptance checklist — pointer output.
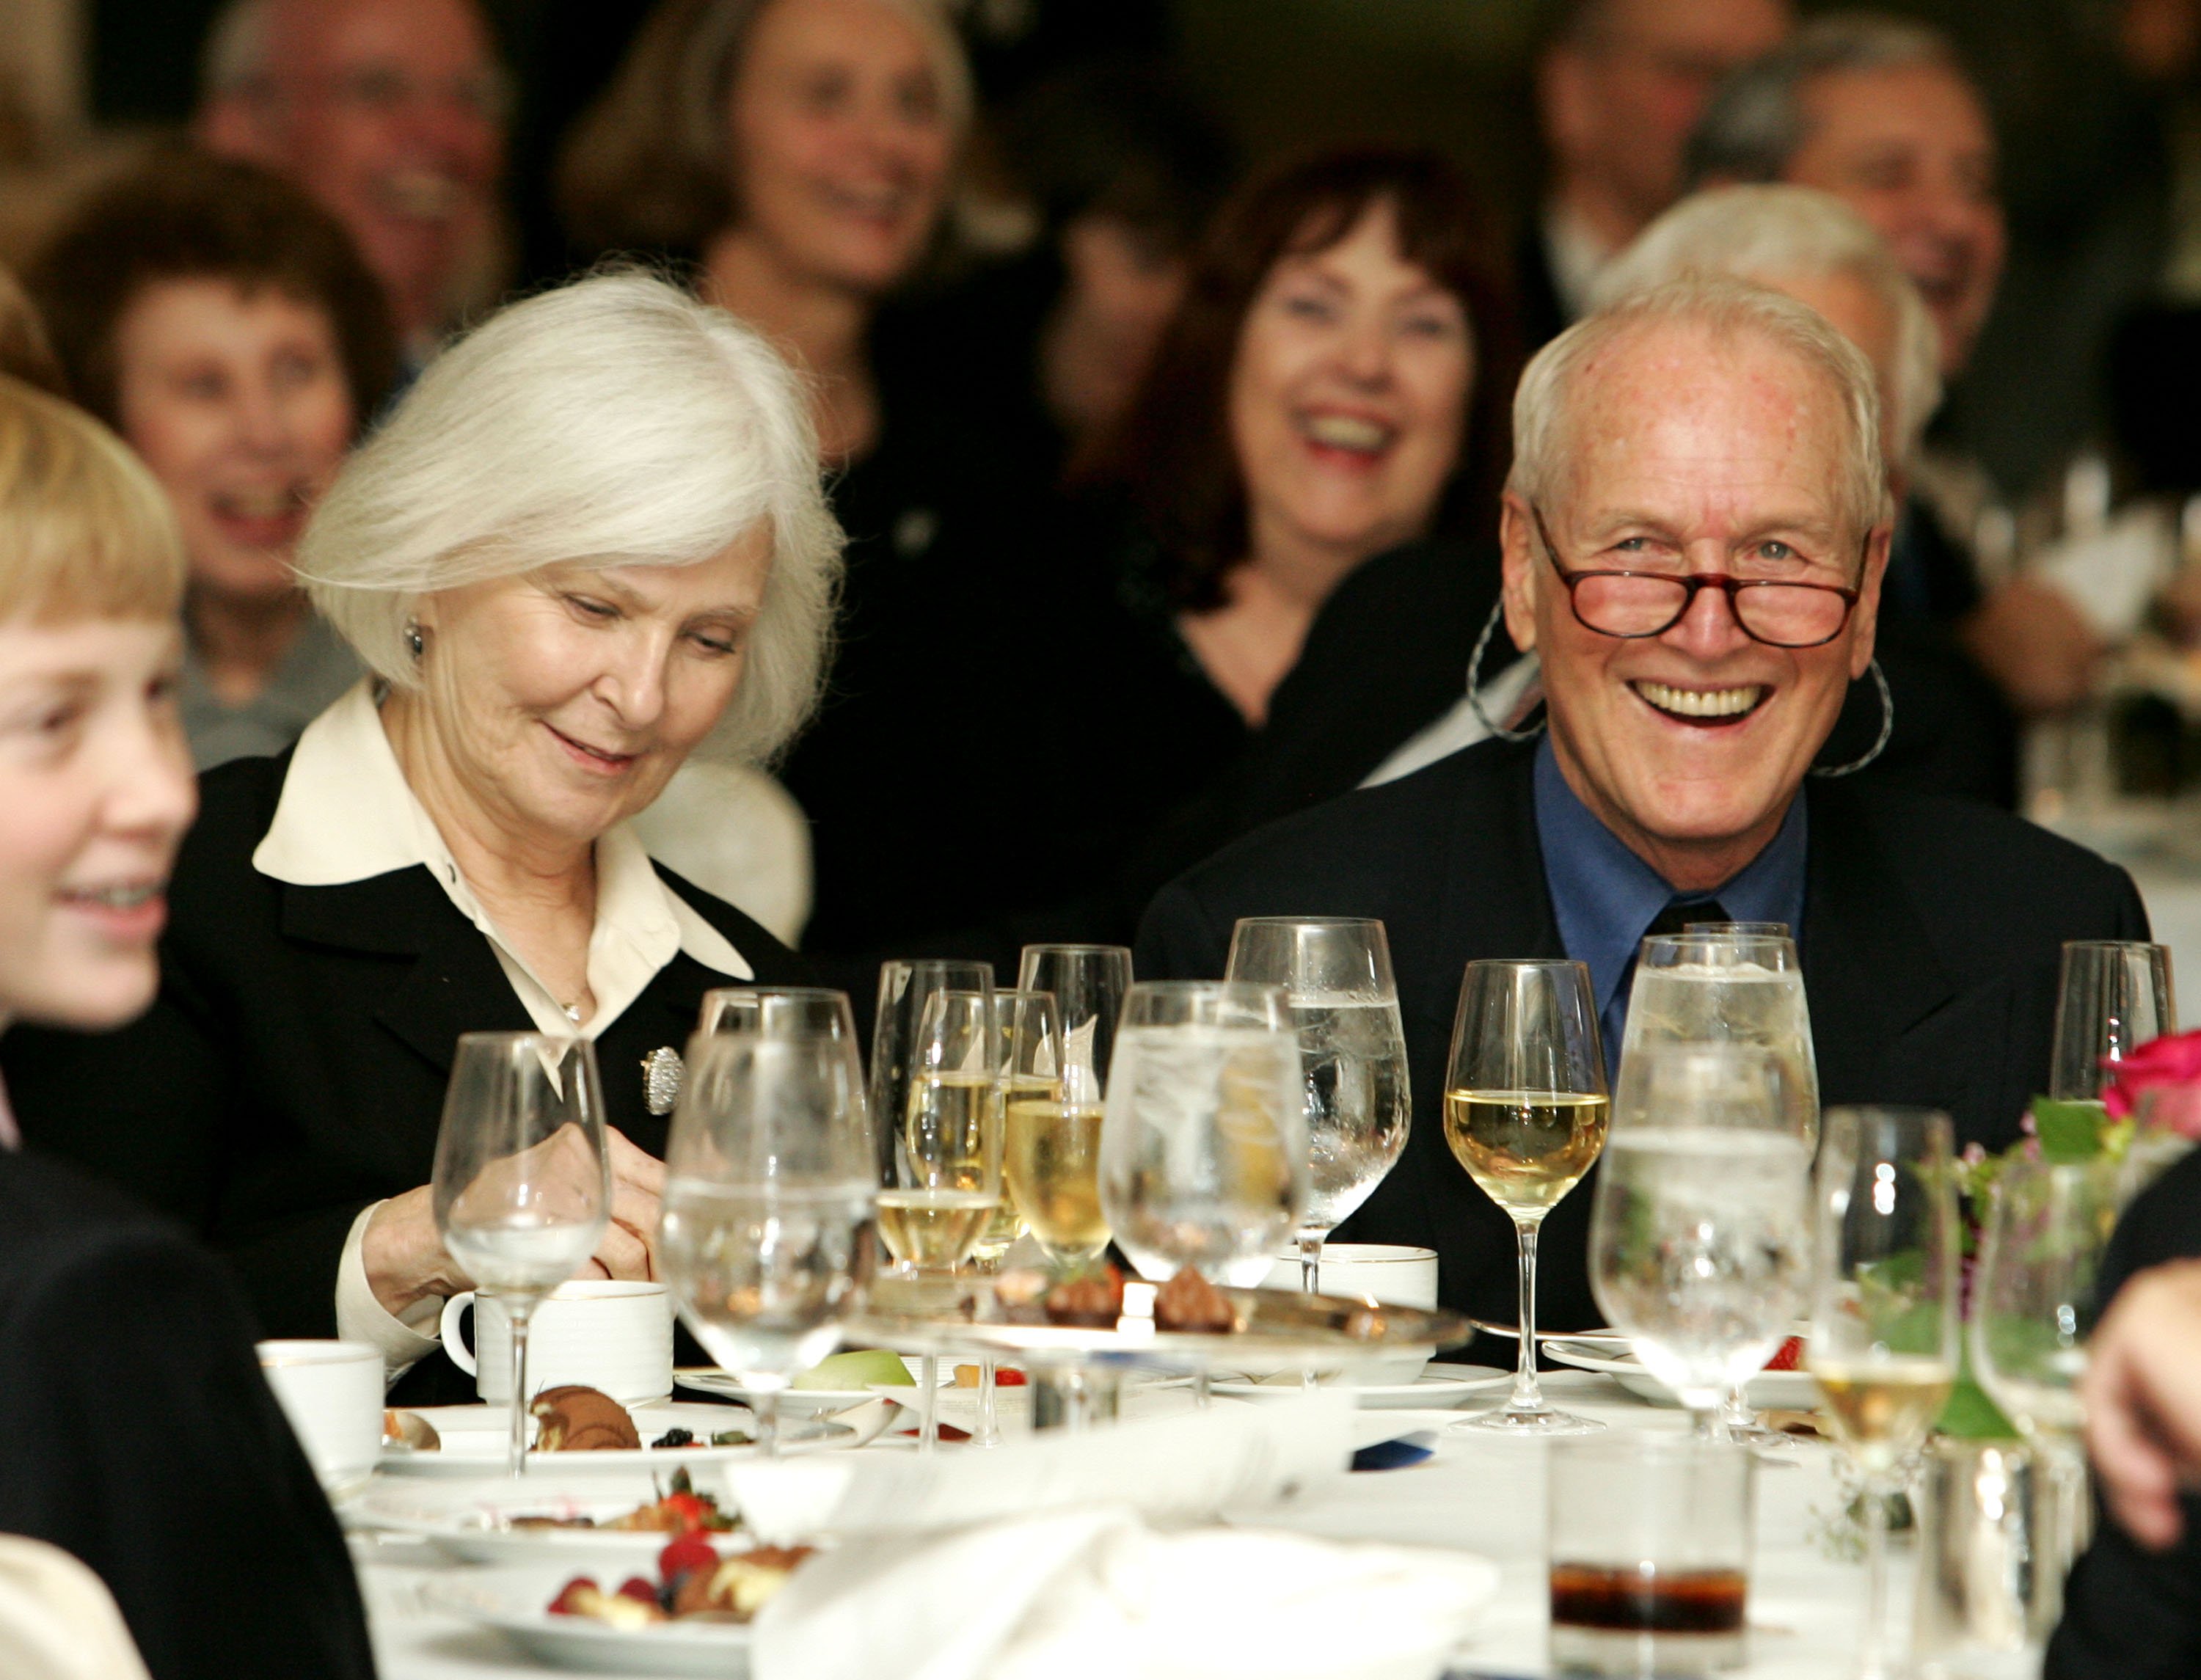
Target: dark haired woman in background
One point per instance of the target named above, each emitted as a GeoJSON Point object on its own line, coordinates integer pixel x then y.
{"type": "Point", "coordinates": [224, 324]}
{"type": "Point", "coordinates": [1311, 468]}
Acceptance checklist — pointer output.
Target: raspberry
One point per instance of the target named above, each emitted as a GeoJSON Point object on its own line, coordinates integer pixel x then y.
{"type": "Point", "coordinates": [1791, 1356]}
{"type": "Point", "coordinates": [641, 1591]}
{"type": "Point", "coordinates": [689, 1553]}
{"type": "Point", "coordinates": [568, 1603]}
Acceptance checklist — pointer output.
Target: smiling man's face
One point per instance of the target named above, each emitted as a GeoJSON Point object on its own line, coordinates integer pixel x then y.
{"type": "Point", "coordinates": [1692, 453]}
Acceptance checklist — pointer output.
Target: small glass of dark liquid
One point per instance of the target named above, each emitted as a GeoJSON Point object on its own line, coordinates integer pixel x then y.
{"type": "Point", "coordinates": [1650, 1539]}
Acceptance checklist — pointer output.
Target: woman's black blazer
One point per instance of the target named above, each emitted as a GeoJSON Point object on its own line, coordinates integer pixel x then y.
{"type": "Point", "coordinates": [292, 1069]}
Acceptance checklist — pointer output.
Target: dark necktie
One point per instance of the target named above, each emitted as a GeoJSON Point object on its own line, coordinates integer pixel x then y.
{"type": "Point", "coordinates": [1676, 916]}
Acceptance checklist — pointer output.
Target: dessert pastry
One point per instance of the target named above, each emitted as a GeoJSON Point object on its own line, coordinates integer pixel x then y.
{"type": "Point", "coordinates": [1095, 1300]}
{"type": "Point", "coordinates": [578, 1419]}
{"type": "Point", "coordinates": [1189, 1302]}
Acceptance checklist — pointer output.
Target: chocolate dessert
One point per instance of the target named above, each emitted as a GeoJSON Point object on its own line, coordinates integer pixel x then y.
{"type": "Point", "coordinates": [578, 1419]}
{"type": "Point", "coordinates": [1189, 1302]}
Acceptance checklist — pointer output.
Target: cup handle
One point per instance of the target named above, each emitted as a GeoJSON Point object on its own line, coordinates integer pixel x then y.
{"type": "Point", "coordinates": [461, 1355]}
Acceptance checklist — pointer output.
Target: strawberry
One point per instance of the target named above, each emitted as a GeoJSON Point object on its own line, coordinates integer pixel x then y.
{"type": "Point", "coordinates": [691, 1510]}
{"type": "Point", "coordinates": [1791, 1356]}
{"type": "Point", "coordinates": [641, 1591]}
{"type": "Point", "coordinates": [568, 1602]}
{"type": "Point", "coordinates": [690, 1553]}
{"type": "Point", "coordinates": [1009, 1379]}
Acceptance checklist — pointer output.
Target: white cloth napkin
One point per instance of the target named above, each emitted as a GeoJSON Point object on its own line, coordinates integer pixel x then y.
{"type": "Point", "coordinates": [57, 1620]}
{"type": "Point", "coordinates": [1181, 1469]}
{"type": "Point", "coordinates": [1096, 1592]}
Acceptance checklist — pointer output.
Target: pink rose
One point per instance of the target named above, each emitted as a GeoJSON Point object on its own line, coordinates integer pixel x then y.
{"type": "Point", "coordinates": [2160, 1065]}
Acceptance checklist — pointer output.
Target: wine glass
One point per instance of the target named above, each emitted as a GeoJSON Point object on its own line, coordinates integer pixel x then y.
{"type": "Point", "coordinates": [2113, 997]}
{"type": "Point", "coordinates": [1089, 983]}
{"type": "Point", "coordinates": [1336, 975]}
{"type": "Point", "coordinates": [778, 1010]}
{"type": "Point", "coordinates": [905, 987]}
{"type": "Point", "coordinates": [1203, 1148]}
{"type": "Point", "coordinates": [1050, 1142]}
{"type": "Point", "coordinates": [522, 1188]}
{"type": "Point", "coordinates": [769, 1176]}
{"type": "Point", "coordinates": [1697, 1237]}
{"type": "Point", "coordinates": [1741, 982]}
{"type": "Point", "coordinates": [947, 1156]}
{"type": "Point", "coordinates": [1525, 1110]}
{"type": "Point", "coordinates": [1884, 1320]}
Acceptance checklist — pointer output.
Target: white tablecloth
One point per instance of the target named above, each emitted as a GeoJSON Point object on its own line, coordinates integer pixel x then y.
{"type": "Point", "coordinates": [1479, 1494]}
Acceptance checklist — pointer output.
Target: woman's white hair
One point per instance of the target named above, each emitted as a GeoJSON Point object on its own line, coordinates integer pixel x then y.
{"type": "Point", "coordinates": [1769, 234]}
{"type": "Point", "coordinates": [614, 422]}
{"type": "Point", "coordinates": [1726, 309]}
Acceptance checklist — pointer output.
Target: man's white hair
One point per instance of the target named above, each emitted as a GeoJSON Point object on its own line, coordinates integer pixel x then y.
{"type": "Point", "coordinates": [1769, 234]}
{"type": "Point", "coordinates": [614, 422]}
{"type": "Point", "coordinates": [1726, 310]}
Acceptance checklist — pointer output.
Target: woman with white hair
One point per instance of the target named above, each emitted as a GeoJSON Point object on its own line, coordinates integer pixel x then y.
{"type": "Point", "coordinates": [590, 542]}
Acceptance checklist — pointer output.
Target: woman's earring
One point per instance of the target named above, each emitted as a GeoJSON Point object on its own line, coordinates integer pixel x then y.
{"type": "Point", "coordinates": [413, 639]}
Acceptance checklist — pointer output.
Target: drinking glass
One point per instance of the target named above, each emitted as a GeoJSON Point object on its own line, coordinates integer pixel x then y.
{"type": "Point", "coordinates": [1335, 971]}
{"type": "Point", "coordinates": [2114, 996]}
{"type": "Point", "coordinates": [769, 1174]}
{"type": "Point", "coordinates": [1884, 1321]}
{"type": "Point", "coordinates": [905, 987]}
{"type": "Point", "coordinates": [1203, 1148]}
{"type": "Point", "coordinates": [776, 1011]}
{"type": "Point", "coordinates": [947, 1157]}
{"type": "Point", "coordinates": [1698, 1232]}
{"type": "Point", "coordinates": [522, 1186]}
{"type": "Point", "coordinates": [1089, 983]}
{"type": "Point", "coordinates": [1051, 1144]}
{"type": "Point", "coordinates": [1741, 982]}
{"type": "Point", "coordinates": [1525, 1110]}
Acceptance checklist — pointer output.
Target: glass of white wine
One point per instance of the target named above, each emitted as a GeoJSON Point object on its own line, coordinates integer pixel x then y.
{"type": "Point", "coordinates": [1335, 971]}
{"type": "Point", "coordinates": [1885, 1321]}
{"type": "Point", "coordinates": [905, 986]}
{"type": "Point", "coordinates": [1089, 983]}
{"type": "Point", "coordinates": [1699, 1234]}
{"type": "Point", "coordinates": [947, 1157]}
{"type": "Point", "coordinates": [1525, 1110]}
{"type": "Point", "coordinates": [769, 1174]}
{"type": "Point", "coordinates": [522, 1184]}
{"type": "Point", "coordinates": [1051, 1141]}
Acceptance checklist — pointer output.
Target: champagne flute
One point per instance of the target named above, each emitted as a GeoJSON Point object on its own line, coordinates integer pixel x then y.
{"type": "Point", "coordinates": [1742, 981]}
{"type": "Point", "coordinates": [769, 1176]}
{"type": "Point", "coordinates": [905, 986]}
{"type": "Point", "coordinates": [1882, 1345]}
{"type": "Point", "coordinates": [1089, 983]}
{"type": "Point", "coordinates": [1050, 1141]}
{"type": "Point", "coordinates": [522, 1186]}
{"type": "Point", "coordinates": [2112, 996]}
{"type": "Point", "coordinates": [947, 1157]}
{"type": "Point", "coordinates": [1697, 1237]}
{"type": "Point", "coordinates": [1335, 971]}
{"type": "Point", "coordinates": [1525, 1112]}
{"type": "Point", "coordinates": [1026, 1058]}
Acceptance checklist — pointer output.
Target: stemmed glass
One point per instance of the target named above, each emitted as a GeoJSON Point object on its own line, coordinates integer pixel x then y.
{"type": "Point", "coordinates": [1089, 983]}
{"type": "Point", "coordinates": [1525, 1111]}
{"type": "Point", "coordinates": [1884, 1322]}
{"type": "Point", "coordinates": [1336, 975]}
{"type": "Point", "coordinates": [2034, 1305]}
{"type": "Point", "coordinates": [522, 1186]}
{"type": "Point", "coordinates": [1698, 1227]}
{"type": "Point", "coordinates": [947, 1177]}
{"type": "Point", "coordinates": [1203, 1148]}
{"type": "Point", "coordinates": [776, 1011]}
{"type": "Point", "coordinates": [769, 1177]}
{"type": "Point", "coordinates": [2113, 997]}
{"type": "Point", "coordinates": [1741, 982]}
{"type": "Point", "coordinates": [1050, 1141]}
{"type": "Point", "coordinates": [905, 987]}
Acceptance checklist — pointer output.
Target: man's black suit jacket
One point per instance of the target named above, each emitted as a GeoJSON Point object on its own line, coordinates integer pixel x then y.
{"type": "Point", "coordinates": [1931, 940]}
{"type": "Point", "coordinates": [292, 1069]}
{"type": "Point", "coordinates": [137, 1432]}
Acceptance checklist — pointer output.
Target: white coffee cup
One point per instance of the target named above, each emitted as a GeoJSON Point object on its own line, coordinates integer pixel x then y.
{"type": "Point", "coordinates": [1389, 1273]}
{"type": "Point", "coordinates": [332, 1392]}
{"type": "Point", "coordinates": [612, 1336]}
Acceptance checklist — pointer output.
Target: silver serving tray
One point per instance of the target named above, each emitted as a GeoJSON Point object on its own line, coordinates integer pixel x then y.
{"type": "Point", "coordinates": [1278, 1330]}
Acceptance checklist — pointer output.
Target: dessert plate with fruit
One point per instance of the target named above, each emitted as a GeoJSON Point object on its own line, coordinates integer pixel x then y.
{"type": "Point", "coordinates": [834, 1384]}
{"type": "Point", "coordinates": [543, 1517]}
{"type": "Point", "coordinates": [1783, 1385]}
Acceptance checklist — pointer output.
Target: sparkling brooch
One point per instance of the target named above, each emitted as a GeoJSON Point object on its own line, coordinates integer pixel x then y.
{"type": "Point", "coordinates": [662, 1070]}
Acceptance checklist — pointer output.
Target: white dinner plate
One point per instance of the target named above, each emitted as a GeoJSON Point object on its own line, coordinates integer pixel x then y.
{"type": "Point", "coordinates": [471, 1521]}
{"type": "Point", "coordinates": [515, 1601]}
{"type": "Point", "coordinates": [473, 1441]}
{"type": "Point", "coordinates": [1786, 1390]}
{"type": "Point", "coordinates": [1438, 1385]}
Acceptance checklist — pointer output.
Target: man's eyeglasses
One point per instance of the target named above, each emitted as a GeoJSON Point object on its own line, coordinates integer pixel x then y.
{"type": "Point", "coordinates": [1636, 605]}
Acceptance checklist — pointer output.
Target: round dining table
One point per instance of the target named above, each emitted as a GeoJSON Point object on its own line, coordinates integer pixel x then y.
{"type": "Point", "coordinates": [1477, 1494]}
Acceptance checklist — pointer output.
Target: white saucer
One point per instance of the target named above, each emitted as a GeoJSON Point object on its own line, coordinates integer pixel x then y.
{"type": "Point", "coordinates": [514, 1602]}
{"type": "Point", "coordinates": [1783, 1390]}
{"type": "Point", "coordinates": [1438, 1385]}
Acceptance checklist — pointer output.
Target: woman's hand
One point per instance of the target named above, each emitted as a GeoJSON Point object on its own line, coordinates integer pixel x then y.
{"type": "Point", "coordinates": [628, 1247]}
{"type": "Point", "coordinates": [2143, 1395]}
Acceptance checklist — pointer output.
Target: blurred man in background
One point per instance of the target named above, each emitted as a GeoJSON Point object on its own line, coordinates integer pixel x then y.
{"type": "Point", "coordinates": [1619, 86]}
{"type": "Point", "coordinates": [389, 111]}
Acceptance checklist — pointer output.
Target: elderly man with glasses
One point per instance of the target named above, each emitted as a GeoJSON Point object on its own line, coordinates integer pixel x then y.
{"type": "Point", "coordinates": [1694, 532]}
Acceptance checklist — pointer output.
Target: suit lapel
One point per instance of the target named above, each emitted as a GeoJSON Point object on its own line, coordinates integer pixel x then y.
{"type": "Point", "coordinates": [454, 984]}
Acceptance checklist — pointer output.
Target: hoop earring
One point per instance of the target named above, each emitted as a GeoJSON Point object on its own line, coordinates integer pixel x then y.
{"type": "Point", "coordinates": [1475, 688]}
{"type": "Point", "coordinates": [1887, 729]}
{"type": "Point", "coordinates": [413, 639]}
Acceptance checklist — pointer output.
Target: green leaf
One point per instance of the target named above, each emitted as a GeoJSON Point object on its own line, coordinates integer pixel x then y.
{"type": "Point", "coordinates": [2068, 1131]}
{"type": "Point", "coordinates": [1970, 1415]}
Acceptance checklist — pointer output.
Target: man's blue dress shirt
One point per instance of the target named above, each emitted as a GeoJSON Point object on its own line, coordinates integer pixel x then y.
{"type": "Point", "coordinates": [1606, 898]}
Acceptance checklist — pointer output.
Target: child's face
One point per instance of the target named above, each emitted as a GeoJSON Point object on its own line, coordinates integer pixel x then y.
{"type": "Point", "coordinates": [96, 792]}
